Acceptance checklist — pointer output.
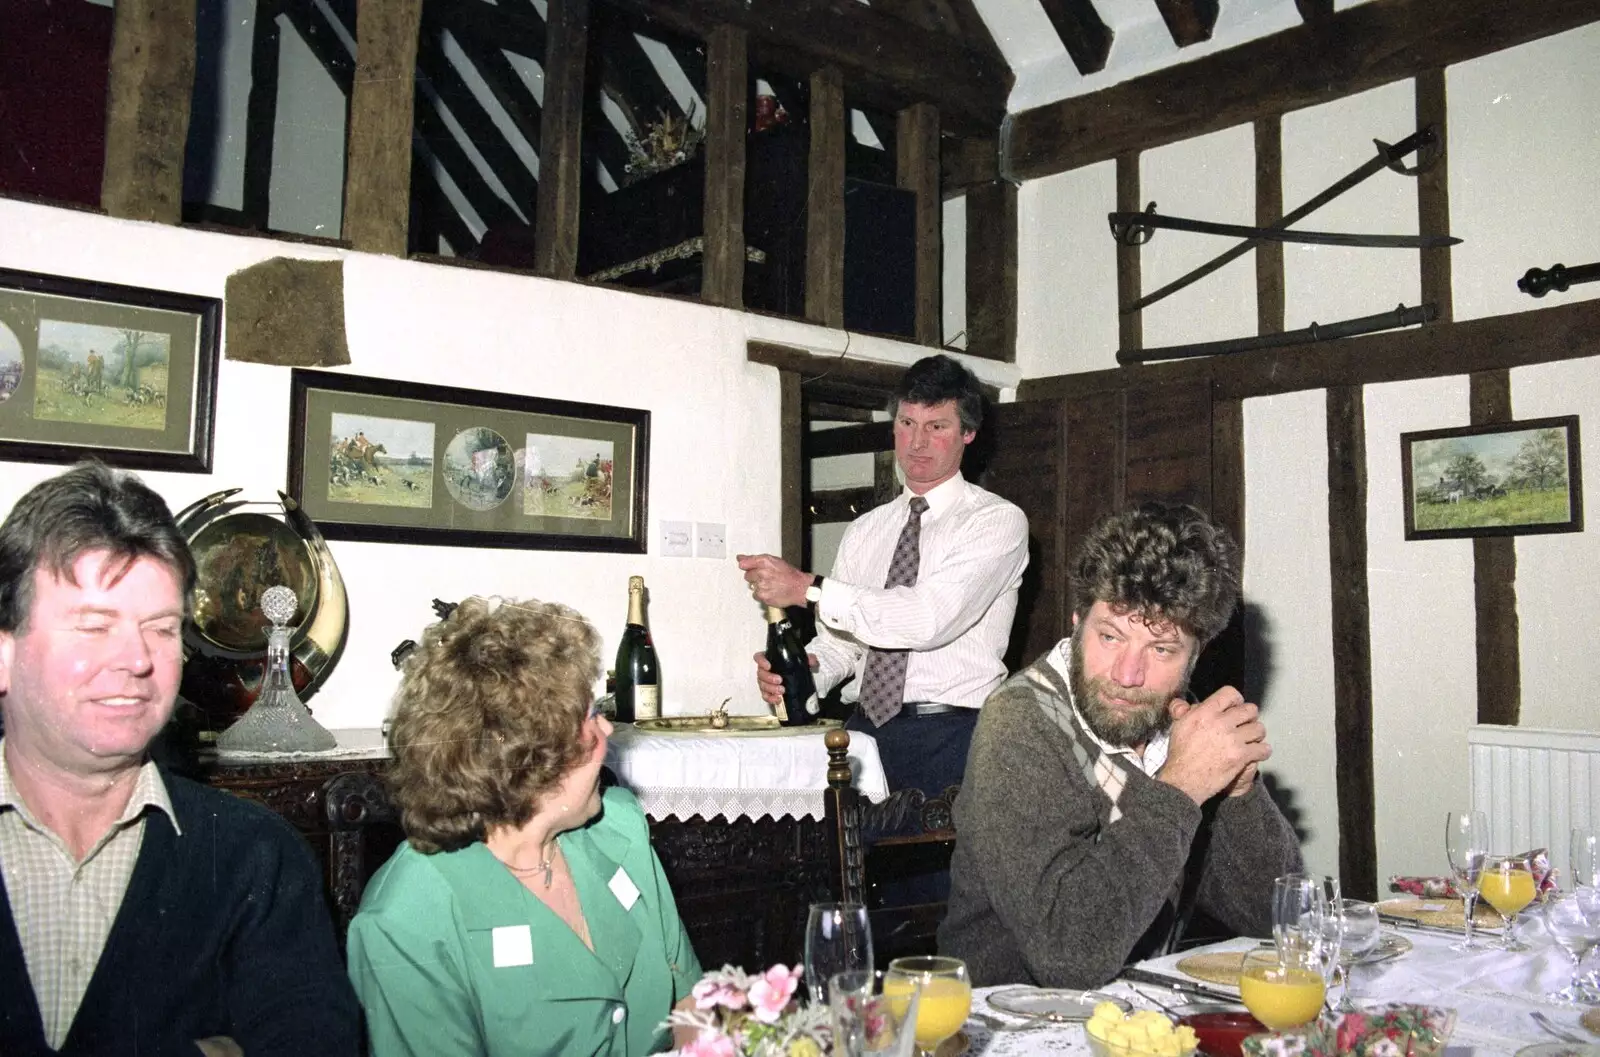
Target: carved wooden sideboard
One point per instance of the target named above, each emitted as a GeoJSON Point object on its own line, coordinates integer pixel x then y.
{"type": "Point", "coordinates": [743, 887]}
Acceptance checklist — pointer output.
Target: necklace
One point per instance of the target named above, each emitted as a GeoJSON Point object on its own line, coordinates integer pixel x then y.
{"type": "Point", "coordinates": [547, 865]}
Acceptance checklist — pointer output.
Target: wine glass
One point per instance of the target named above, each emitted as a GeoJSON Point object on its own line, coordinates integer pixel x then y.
{"type": "Point", "coordinates": [867, 1020]}
{"type": "Point", "coordinates": [1282, 990]}
{"type": "Point", "coordinates": [1362, 933]}
{"type": "Point", "coordinates": [838, 938]}
{"type": "Point", "coordinates": [1299, 904]}
{"type": "Point", "coordinates": [945, 996]}
{"type": "Point", "coordinates": [1507, 885]}
{"type": "Point", "coordinates": [1466, 842]}
{"type": "Point", "coordinates": [1573, 921]}
{"type": "Point", "coordinates": [1584, 858]}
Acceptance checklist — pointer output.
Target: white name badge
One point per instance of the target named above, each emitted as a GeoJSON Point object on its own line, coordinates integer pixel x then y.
{"type": "Point", "coordinates": [513, 945]}
{"type": "Point", "coordinates": [624, 889]}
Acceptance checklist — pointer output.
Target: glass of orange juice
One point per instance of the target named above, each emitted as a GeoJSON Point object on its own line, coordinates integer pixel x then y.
{"type": "Point", "coordinates": [1281, 990]}
{"type": "Point", "coordinates": [945, 996]}
{"type": "Point", "coordinates": [1507, 885]}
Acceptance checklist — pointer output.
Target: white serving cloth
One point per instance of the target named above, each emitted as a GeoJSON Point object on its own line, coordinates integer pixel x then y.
{"type": "Point", "coordinates": [743, 775]}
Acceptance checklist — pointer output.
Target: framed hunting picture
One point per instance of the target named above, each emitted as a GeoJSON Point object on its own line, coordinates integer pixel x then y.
{"type": "Point", "coordinates": [1511, 478]}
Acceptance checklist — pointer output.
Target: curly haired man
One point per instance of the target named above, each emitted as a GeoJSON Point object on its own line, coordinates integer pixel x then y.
{"type": "Point", "coordinates": [1100, 804]}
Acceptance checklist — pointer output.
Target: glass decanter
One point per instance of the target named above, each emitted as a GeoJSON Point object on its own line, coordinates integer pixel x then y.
{"type": "Point", "coordinates": [279, 721]}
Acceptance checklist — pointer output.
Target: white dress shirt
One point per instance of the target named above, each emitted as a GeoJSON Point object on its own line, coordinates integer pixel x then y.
{"type": "Point", "coordinates": [956, 620]}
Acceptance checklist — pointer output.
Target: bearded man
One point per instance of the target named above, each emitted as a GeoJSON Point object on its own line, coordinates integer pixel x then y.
{"type": "Point", "coordinates": [1101, 806]}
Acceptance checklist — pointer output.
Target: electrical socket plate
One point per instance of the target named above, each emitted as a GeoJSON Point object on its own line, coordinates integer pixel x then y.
{"type": "Point", "coordinates": [710, 539]}
{"type": "Point", "coordinates": [677, 539]}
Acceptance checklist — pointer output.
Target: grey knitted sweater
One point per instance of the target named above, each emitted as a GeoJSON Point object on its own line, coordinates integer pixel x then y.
{"type": "Point", "coordinates": [1055, 883]}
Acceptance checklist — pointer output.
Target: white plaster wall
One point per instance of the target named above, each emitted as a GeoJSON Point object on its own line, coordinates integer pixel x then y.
{"type": "Point", "coordinates": [1324, 284]}
{"type": "Point", "coordinates": [1424, 658]}
{"type": "Point", "coordinates": [1558, 575]}
{"type": "Point", "coordinates": [1067, 274]}
{"type": "Point", "coordinates": [953, 290]}
{"type": "Point", "coordinates": [1288, 597]}
{"type": "Point", "coordinates": [1523, 157]}
{"type": "Point", "coordinates": [1206, 178]}
{"type": "Point", "coordinates": [714, 450]}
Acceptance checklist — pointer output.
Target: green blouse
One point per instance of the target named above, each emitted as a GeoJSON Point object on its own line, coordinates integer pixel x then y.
{"type": "Point", "coordinates": [451, 955]}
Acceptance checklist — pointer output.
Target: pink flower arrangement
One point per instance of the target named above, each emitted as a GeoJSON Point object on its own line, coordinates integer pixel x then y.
{"type": "Point", "coordinates": [739, 1015]}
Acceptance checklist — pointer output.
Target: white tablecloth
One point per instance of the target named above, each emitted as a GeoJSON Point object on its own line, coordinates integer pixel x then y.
{"type": "Point", "coordinates": [1492, 993]}
{"type": "Point", "coordinates": [745, 775]}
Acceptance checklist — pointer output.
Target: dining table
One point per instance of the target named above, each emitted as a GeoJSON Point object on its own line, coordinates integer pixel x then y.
{"type": "Point", "coordinates": [1494, 994]}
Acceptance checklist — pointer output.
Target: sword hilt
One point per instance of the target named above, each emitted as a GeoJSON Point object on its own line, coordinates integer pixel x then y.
{"type": "Point", "coordinates": [1129, 231]}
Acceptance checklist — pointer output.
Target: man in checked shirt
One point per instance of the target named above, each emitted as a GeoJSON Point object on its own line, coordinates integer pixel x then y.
{"type": "Point", "coordinates": [139, 912]}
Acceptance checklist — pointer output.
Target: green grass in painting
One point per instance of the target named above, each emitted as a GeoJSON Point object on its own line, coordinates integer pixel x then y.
{"type": "Point", "coordinates": [567, 499]}
{"type": "Point", "coordinates": [399, 484]}
{"type": "Point", "coordinates": [54, 401]}
{"type": "Point", "coordinates": [1543, 507]}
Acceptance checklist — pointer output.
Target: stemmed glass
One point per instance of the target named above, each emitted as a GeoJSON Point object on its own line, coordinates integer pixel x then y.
{"type": "Point", "coordinates": [945, 996]}
{"type": "Point", "coordinates": [868, 1020]}
{"type": "Point", "coordinates": [1573, 921]}
{"type": "Point", "coordinates": [1584, 858]}
{"type": "Point", "coordinates": [1299, 904]}
{"type": "Point", "coordinates": [1507, 883]}
{"type": "Point", "coordinates": [838, 939]}
{"type": "Point", "coordinates": [1466, 842]}
{"type": "Point", "coordinates": [1282, 989]}
{"type": "Point", "coordinates": [1362, 932]}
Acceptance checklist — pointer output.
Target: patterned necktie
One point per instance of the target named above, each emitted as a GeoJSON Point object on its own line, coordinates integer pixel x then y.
{"type": "Point", "coordinates": [883, 679]}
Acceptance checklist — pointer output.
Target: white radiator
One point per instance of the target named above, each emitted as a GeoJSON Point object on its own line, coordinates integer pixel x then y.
{"type": "Point", "coordinates": [1535, 785]}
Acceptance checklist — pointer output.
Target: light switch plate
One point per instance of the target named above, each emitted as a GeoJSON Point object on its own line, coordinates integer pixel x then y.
{"type": "Point", "coordinates": [710, 539]}
{"type": "Point", "coordinates": [677, 539]}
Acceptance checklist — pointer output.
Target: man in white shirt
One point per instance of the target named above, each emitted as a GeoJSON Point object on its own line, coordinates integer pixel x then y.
{"type": "Point", "coordinates": [918, 607]}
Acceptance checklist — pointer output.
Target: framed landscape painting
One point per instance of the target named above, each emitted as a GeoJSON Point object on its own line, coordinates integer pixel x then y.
{"type": "Point", "coordinates": [1511, 478]}
{"type": "Point", "coordinates": [124, 374]}
{"type": "Point", "coordinates": [399, 462]}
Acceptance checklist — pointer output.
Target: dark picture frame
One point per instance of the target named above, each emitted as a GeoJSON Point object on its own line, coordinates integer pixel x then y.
{"type": "Point", "coordinates": [399, 462]}
{"type": "Point", "coordinates": [1505, 479]}
{"type": "Point", "coordinates": [69, 388]}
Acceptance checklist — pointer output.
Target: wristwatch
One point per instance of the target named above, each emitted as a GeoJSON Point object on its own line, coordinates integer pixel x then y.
{"type": "Point", "coordinates": [814, 592]}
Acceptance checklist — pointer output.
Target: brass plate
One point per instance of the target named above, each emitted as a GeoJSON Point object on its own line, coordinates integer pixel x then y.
{"type": "Point", "coordinates": [741, 725]}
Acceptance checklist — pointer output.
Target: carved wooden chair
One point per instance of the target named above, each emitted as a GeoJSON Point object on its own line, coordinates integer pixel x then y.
{"type": "Point", "coordinates": [867, 866]}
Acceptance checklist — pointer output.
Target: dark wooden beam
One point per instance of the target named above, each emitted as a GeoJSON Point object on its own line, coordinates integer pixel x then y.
{"type": "Point", "coordinates": [992, 271]}
{"type": "Point", "coordinates": [888, 63]}
{"type": "Point", "coordinates": [1439, 350]}
{"type": "Point", "coordinates": [917, 170]}
{"type": "Point", "coordinates": [148, 92]}
{"type": "Point", "coordinates": [1269, 210]}
{"type": "Point", "coordinates": [825, 201]}
{"type": "Point", "coordinates": [1352, 641]}
{"type": "Point", "coordinates": [1189, 21]}
{"type": "Point", "coordinates": [848, 440]}
{"type": "Point", "coordinates": [463, 171]}
{"type": "Point", "coordinates": [433, 216]}
{"type": "Point", "coordinates": [261, 115]}
{"type": "Point", "coordinates": [958, 18]}
{"type": "Point", "coordinates": [518, 29]}
{"type": "Point", "coordinates": [833, 505]}
{"type": "Point", "coordinates": [506, 86]}
{"type": "Point", "coordinates": [555, 236]}
{"type": "Point", "coordinates": [377, 183]}
{"type": "Point", "coordinates": [1359, 48]}
{"type": "Point", "coordinates": [1433, 195]}
{"type": "Point", "coordinates": [1086, 38]}
{"type": "Point", "coordinates": [966, 162]}
{"type": "Point", "coordinates": [1130, 280]}
{"type": "Point", "coordinates": [722, 277]}
{"type": "Point", "coordinates": [1314, 12]}
{"type": "Point", "coordinates": [1494, 581]}
{"type": "Point", "coordinates": [791, 473]}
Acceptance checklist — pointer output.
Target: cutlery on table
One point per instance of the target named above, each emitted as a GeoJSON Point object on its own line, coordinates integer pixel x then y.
{"type": "Point", "coordinates": [1172, 983]}
{"type": "Point", "coordinates": [1561, 1033]}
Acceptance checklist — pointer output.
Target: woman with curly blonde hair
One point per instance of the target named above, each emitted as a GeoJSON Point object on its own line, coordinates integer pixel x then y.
{"type": "Point", "coordinates": [527, 913]}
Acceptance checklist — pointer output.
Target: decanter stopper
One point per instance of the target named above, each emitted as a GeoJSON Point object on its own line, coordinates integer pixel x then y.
{"type": "Point", "coordinates": [279, 721]}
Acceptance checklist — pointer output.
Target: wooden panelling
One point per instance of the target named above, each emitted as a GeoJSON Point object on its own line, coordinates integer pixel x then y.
{"type": "Point", "coordinates": [825, 201]}
{"type": "Point", "coordinates": [791, 474]}
{"type": "Point", "coordinates": [148, 90]}
{"type": "Point", "coordinates": [1092, 475]}
{"type": "Point", "coordinates": [555, 235]}
{"type": "Point", "coordinates": [1027, 467]}
{"type": "Point", "coordinates": [1167, 445]}
{"type": "Point", "coordinates": [1130, 284]}
{"type": "Point", "coordinates": [1269, 209]}
{"type": "Point", "coordinates": [377, 184]}
{"type": "Point", "coordinates": [1360, 47]}
{"type": "Point", "coordinates": [917, 170]}
{"type": "Point", "coordinates": [1494, 581]}
{"type": "Point", "coordinates": [722, 281]}
{"type": "Point", "coordinates": [992, 271]}
{"type": "Point", "coordinates": [1352, 641]}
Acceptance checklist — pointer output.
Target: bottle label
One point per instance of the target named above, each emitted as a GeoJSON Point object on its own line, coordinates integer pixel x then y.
{"type": "Point", "coordinates": [813, 706]}
{"type": "Point", "coordinates": [780, 711]}
{"type": "Point", "coordinates": [646, 702]}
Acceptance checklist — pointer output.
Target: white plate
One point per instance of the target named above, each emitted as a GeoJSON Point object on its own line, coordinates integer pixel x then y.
{"type": "Point", "coordinates": [1053, 1003]}
{"type": "Point", "coordinates": [1390, 945]}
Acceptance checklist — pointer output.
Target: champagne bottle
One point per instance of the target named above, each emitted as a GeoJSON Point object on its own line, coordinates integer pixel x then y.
{"type": "Point", "coordinates": [638, 674]}
{"type": "Point", "coordinates": [788, 658]}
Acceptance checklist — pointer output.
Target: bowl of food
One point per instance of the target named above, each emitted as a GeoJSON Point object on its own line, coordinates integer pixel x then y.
{"type": "Point", "coordinates": [1143, 1033]}
{"type": "Point", "coordinates": [1221, 1032]}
